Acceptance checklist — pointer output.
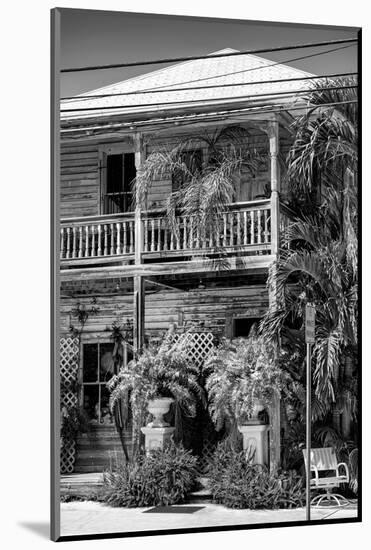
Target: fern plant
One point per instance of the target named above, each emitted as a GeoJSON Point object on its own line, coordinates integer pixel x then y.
{"type": "Point", "coordinates": [241, 372]}
{"type": "Point", "coordinates": [163, 370]}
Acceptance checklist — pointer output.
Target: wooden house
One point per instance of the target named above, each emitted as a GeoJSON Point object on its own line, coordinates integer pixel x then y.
{"type": "Point", "coordinates": [122, 263]}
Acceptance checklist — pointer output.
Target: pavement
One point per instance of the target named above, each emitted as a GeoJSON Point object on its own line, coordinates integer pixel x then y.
{"type": "Point", "coordinates": [85, 518]}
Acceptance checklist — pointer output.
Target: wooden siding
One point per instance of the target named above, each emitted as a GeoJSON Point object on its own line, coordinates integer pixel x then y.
{"type": "Point", "coordinates": [80, 173]}
{"type": "Point", "coordinates": [214, 307]}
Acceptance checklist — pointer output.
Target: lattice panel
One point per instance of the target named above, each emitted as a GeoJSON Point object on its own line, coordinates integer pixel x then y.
{"type": "Point", "coordinates": [69, 353]}
{"type": "Point", "coordinates": [200, 345]}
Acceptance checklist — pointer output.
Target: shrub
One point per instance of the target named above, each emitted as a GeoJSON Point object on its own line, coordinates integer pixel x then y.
{"type": "Point", "coordinates": [162, 477]}
{"type": "Point", "coordinates": [237, 483]}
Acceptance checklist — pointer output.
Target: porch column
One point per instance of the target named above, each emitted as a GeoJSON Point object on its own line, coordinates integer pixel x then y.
{"type": "Point", "coordinates": [273, 135]}
{"type": "Point", "coordinates": [139, 293]}
{"type": "Point", "coordinates": [275, 408]}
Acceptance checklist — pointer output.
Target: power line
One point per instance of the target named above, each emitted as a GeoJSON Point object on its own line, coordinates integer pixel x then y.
{"type": "Point", "coordinates": [276, 63]}
{"type": "Point", "coordinates": [213, 86]}
{"type": "Point", "coordinates": [194, 58]}
{"type": "Point", "coordinates": [227, 98]}
{"type": "Point", "coordinates": [209, 116]}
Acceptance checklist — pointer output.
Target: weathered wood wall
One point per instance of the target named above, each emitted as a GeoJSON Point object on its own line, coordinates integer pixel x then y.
{"type": "Point", "coordinates": [82, 171]}
{"type": "Point", "coordinates": [214, 307]}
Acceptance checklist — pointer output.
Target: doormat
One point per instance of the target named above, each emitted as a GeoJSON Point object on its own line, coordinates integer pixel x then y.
{"type": "Point", "coordinates": [173, 510]}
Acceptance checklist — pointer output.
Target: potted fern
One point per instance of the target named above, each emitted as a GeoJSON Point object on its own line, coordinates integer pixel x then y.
{"type": "Point", "coordinates": [244, 378]}
{"type": "Point", "coordinates": [160, 375]}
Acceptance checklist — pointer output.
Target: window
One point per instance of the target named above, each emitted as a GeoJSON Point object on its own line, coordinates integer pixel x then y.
{"type": "Point", "coordinates": [97, 369]}
{"type": "Point", "coordinates": [243, 326]}
{"type": "Point", "coordinates": [193, 161]}
{"type": "Point", "coordinates": [120, 172]}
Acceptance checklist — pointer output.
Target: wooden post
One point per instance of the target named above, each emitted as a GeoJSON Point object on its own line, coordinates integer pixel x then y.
{"type": "Point", "coordinates": [275, 416]}
{"type": "Point", "coordinates": [139, 293]}
{"type": "Point", "coordinates": [138, 323]}
{"type": "Point", "coordinates": [273, 134]}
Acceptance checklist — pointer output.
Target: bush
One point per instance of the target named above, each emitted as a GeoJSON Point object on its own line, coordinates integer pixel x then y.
{"type": "Point", "coordinates": [237, 483]}
{"type": "Point", "coordinates": [162, 477]}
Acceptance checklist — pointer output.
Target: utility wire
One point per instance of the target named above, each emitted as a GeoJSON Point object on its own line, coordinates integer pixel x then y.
{"type": "Point", "coordinates": [208, 56]}
{"type": "Point", "coordinates": [224, 115]}
{"type": "Point", "coordinates": [287, 93]}
{"type": "Point", "coordinates": [261, 67]}
{"type": "Point", "coordinates": [212, 86]}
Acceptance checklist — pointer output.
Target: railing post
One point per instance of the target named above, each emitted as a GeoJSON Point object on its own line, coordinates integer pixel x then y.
{"type": "Point", "coordinates": [275, 416]}
{"type": "Point", "coordinates": [139, 292]}
{"type": "Point", "coordinates": [273, 134]}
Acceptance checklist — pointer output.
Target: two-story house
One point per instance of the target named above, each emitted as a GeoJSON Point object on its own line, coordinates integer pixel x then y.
{"type": "Point", "coordinates": [119, 259]}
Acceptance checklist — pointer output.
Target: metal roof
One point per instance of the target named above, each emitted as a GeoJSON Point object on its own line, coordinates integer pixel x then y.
{"type": "Point", "coordinates": [234, 71]}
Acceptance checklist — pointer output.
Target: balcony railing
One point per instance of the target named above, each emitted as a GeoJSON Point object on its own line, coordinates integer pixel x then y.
{"type": "Point", "coordinates": [244, 227]}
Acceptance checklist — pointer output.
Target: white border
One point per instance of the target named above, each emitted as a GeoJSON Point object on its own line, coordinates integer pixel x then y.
{"type": "Point", "coordinates": [25, 270]}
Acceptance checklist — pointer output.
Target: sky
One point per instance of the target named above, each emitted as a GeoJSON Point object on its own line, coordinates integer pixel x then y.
{"type": "Point", "coordinates": [91, 37]}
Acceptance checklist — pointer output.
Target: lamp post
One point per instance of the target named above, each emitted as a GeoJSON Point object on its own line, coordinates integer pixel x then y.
{"type": "Point", "coordinates": [310, 314]}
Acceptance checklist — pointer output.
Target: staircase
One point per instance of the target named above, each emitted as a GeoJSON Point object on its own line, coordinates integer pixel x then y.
{"type": "Point", "coordinates": [99, 447]}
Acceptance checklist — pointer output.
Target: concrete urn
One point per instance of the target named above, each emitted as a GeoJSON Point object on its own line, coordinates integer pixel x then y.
{"type": "Point", "coordinates": [158, 407]}
{"type": "Point", "coordinates": [257, 408]}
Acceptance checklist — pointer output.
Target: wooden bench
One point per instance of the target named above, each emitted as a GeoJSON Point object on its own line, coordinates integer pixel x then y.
{"type": "Point", "coordinates": [324, 460]}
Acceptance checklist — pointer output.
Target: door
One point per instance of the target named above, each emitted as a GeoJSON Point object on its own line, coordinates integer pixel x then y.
{"type": "Point", "coordinates": [117, 185]}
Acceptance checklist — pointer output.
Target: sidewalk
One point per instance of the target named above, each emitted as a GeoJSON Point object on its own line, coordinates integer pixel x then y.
{"type": "Point", "coordinates": [84, 518]}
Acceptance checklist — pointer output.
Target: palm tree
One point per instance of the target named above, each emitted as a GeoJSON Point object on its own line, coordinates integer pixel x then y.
{"type": "Point", "coordinates": [204, 189]}
{"type": "Point", "coordinates": [320, 248]}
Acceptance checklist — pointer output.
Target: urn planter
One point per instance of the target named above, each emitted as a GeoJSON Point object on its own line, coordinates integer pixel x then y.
{"type": "Point", "coordinates": [158, 432]}
{"type": "Point", "coordinates": [158, 407]}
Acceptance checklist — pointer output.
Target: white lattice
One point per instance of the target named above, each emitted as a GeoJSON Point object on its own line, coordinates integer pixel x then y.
{"type": "Point", "coordinates": [69, 354]}
{"type": "Point", "coordinates": [68, 458]}
{"type": "Point", "coordinates": [200, 345]}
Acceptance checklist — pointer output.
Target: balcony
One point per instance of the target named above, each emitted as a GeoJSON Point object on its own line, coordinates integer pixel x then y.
{"type": "Point", "coordinates": [110, 239]}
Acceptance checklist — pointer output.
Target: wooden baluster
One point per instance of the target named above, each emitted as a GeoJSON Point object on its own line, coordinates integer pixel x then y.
{"type": "Point", "coordinates": [80, 242]}
{"type": "Point", "coordinates": [86, 241]}
{"type": "Point", "coordinates": [252, 227]}
{"type": "Point", "coordinates": [245, 228]}
{"type": "Point", "coordinates": [152, 235]}
{"type": "Point", "coordinates": [131, 226]}
{"type": "Point", "coordinates": [238, 214]}
{"type": "Point", "coordinates": [171, 239]}
{"type": "Point", "coordinates": [217, 234]}
{"type": "Point", "coordinates": [266, 235]}
{"type": "Point", "coordinates": [231, 229]}
{"type": "Point", "coordinates": [225, 220]}
{"type": "Point", "coordinates": [93, 241]}
{"type": "Point", "coordinates": [105, 252]}
{"type": "Point", "coordinates": [99, 252]}
{"type": "Point", "coordinates": [62, 243]}
{"type": "Point", "coordinates": [145, 244]}
{"type": "Point", "coordinates": [184, 232]}
{"type": "Point", "coordinates": [74, 230]}
{"type": "Point", "coordinates": [112, 251]}
{"type": "Point", "coordinates": [178, 234]}
{"type": "Point", "coordinates": [259, 227]}
{"type": "Point", "coordinates": [190, 242]}
{"type": "Point", "coordinates": [124, 237]}
{"type": "Point", "coordinates": [198, 236]}
{"type": "Point", "coordinates": [118, 239]}
{"type": "Point", "coordinates": [203, 238]}
{"type": "Point", "coordinates": [165, 247]}
{"type": "Point", "coordinates": [159, 247]}
{"type": "Point", "coordinates": [68, 242]}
